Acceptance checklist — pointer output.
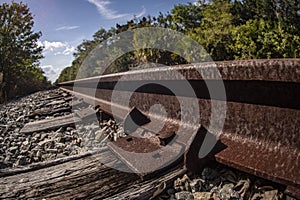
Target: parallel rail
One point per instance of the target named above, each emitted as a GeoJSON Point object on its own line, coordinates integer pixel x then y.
{"type": "Point", "coordinates": [260, 134]}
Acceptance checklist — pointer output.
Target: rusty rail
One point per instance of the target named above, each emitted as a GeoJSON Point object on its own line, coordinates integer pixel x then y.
{"type": "Point", "coordinates": [260, 134]}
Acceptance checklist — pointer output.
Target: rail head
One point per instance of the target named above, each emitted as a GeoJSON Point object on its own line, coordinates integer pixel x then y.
{"type": "Point", "coordinates": [283, 70]}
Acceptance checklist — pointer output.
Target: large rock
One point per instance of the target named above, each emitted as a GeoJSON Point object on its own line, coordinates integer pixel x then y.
{"type": "Point", "coordinates": [184, 195]}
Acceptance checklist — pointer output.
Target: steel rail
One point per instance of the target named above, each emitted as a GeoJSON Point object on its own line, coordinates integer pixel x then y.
{"type": "Point", "coordinates": [261, 133]}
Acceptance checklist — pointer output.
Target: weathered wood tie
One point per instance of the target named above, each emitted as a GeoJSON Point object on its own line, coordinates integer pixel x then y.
{"type": "Point", "coordinates": [49, 124]}
{"type": "Point", "coordinates": [81, 177]}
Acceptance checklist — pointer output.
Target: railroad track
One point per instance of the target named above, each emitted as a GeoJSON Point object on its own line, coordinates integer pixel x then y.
{"type": "Point", "coordinates": [242, 114]}
{"type": "Point", "coordinates": [260, 134]}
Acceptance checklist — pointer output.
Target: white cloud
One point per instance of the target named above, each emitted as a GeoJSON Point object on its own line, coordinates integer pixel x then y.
{"type": "Point", "coordinates": [58, 55]}
{"type": "Point", "coordinates": [56, 48]}
{"type": "Point", "coordinates": [141, 13]}
{"type": "Point", "coordinates": [50, 46]}
{"type": "Point", "coordinates": [66, 28]}
{"type": "Point", "coordinates": [51, 72]}
{"type": "Point", "coordinates": [67, 51]}
{"type": "Point", "coordinates": [112, 14]}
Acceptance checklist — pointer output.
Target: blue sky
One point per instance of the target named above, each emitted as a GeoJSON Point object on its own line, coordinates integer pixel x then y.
{"type": "Point", "coordinates": [66, 23]}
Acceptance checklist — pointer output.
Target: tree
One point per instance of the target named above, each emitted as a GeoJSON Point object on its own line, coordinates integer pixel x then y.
{"type": "Point", "coordinates": [264, 39]}
{"type": "Point", "coordinates": [215, 30]}
{"type": "Point", "coordinates": [238, 29]}
{"type": "Point", "coordinates": [186, 17]}
{"type": "Point", "coordinates": [19, 51]}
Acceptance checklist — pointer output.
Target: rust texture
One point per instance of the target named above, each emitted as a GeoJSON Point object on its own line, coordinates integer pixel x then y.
{"type": "Point", "coordinates": [261, 131]}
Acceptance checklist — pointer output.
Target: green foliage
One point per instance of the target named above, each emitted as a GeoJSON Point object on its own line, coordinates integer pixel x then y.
{"type": "Point", "coordinates": [19, 52]}
{"type": "Point", "coordinates": [240, 29]}
{"type": "Point", "coordinates": [185, 17]}
{"type": "Point", "coordinates": [215, 29]}
{"type": "Point", "coordinates": [261, 39]}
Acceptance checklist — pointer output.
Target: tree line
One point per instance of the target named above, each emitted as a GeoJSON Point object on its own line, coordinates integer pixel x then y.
{"type": "Point", "coordinates": [20, 73]}
{"type": "Point", "coordinates": [228, 30]}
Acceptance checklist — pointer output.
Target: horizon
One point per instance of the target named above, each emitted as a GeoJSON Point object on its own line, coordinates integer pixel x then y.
{"type": "Point", "coordinates": [65, 24]}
